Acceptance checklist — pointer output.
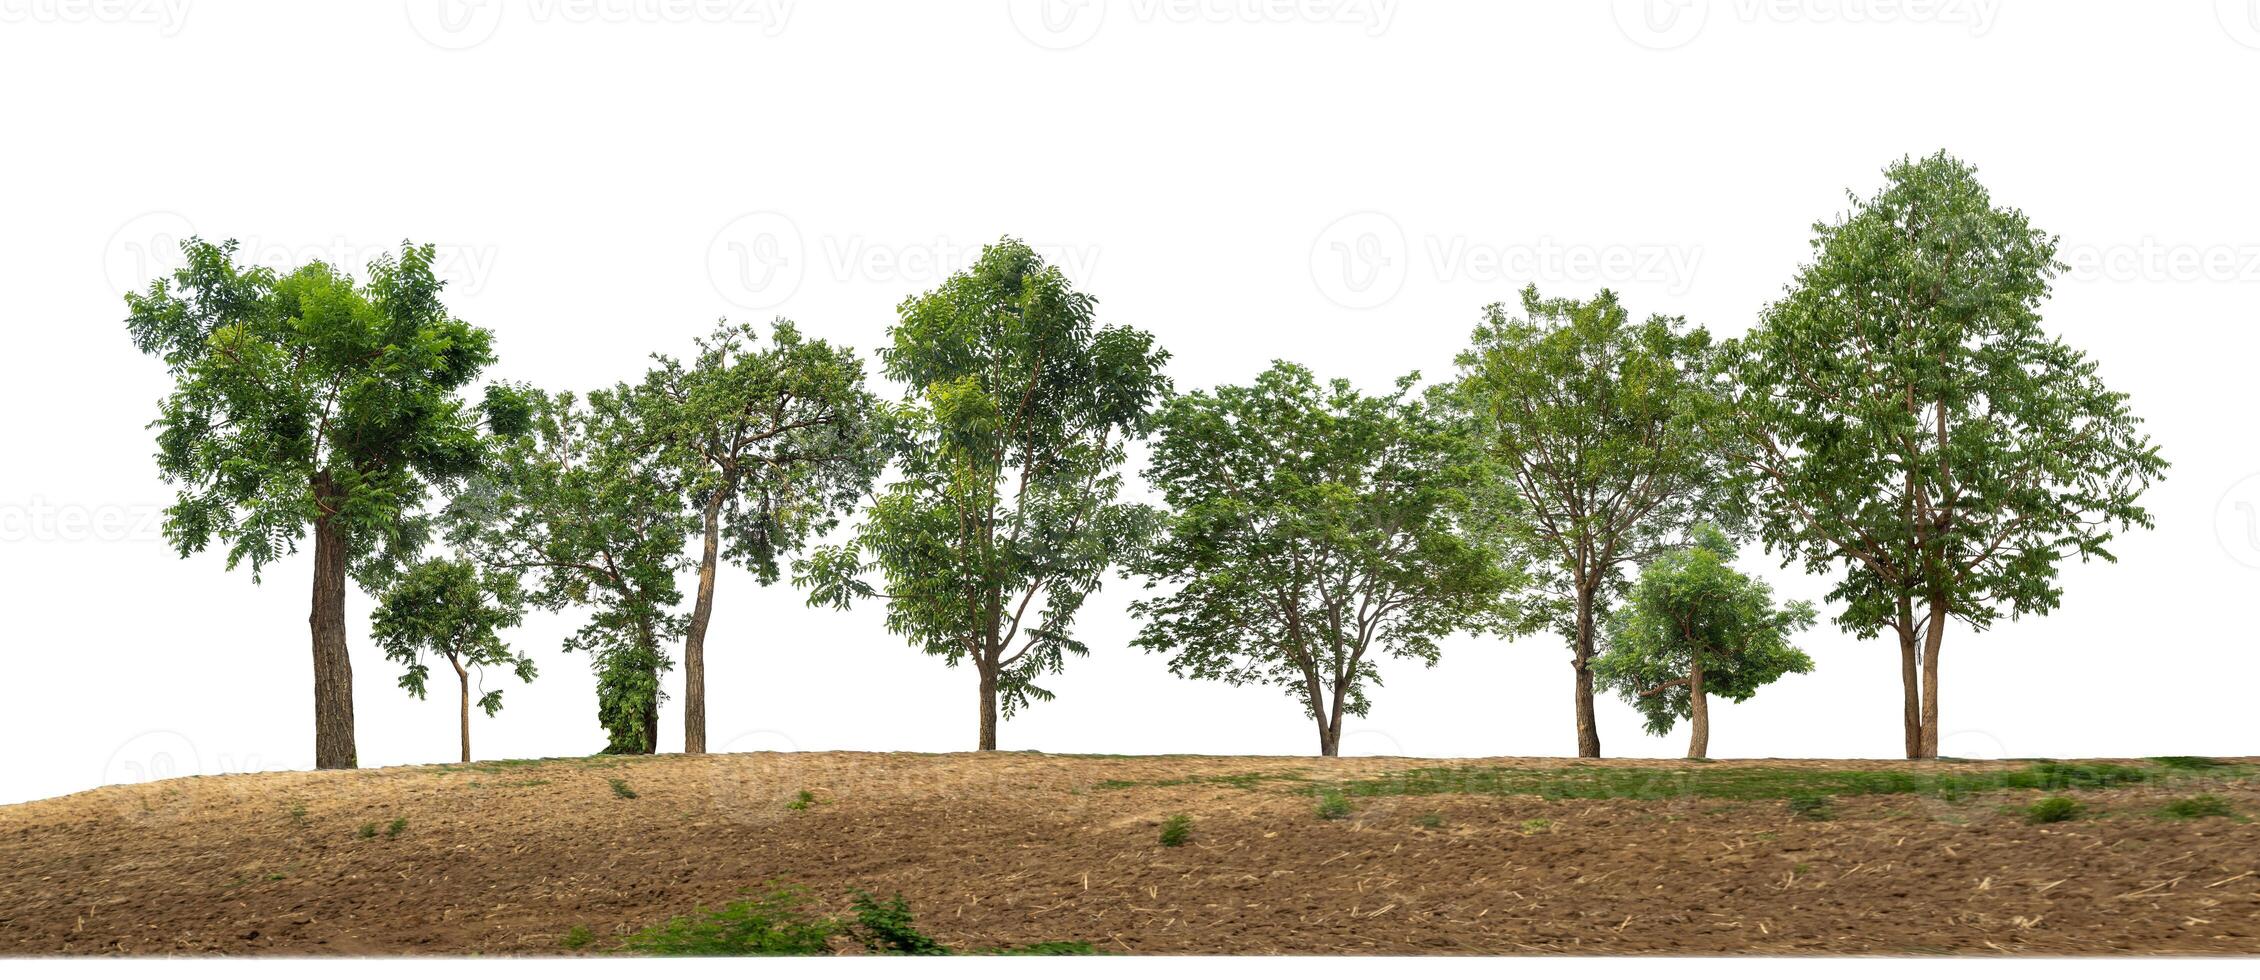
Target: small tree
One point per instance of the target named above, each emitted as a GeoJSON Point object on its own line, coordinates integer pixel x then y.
{"type": "Point", "coordinates": [1311, 532]}
{"type": "Point", "coordinates": [1907, 421]}
{"type": "Point", "coordinates": [1009, 450]}
{"type": "Point", "coordinates": [306, 401]}
{"type": "Point", "coordinates": [449, 609]}
{"type": "Point", "coordinates": [579, 502]}
{"type": "Point", "coordinates": [770, 445]}
{"type": "Point", "coordinates": [1692, 627]}
{"type": "Point", "coordinates": [1599, 434]}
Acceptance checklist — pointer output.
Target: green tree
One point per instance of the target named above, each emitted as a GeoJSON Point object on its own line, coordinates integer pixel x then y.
{"type": "Point", "coordinates": [1009, 449]}
{"type": "Point", "coordinates": [309, 402]}
{"type": "Point", "coordinates": [1311, 531]}
{"type": "Point", "coordinates": [450, 609]}
{"type": "Point", "coordinates": [1908, 422]}
{"type": "Point", "coordinates": [1601, 444]}
{"type": "Point", "coordinates": [1692, 627]}
{"type": "Point", "coordinates": [770, 446]}
{"type": "Point", "coordinates": [580, 503]}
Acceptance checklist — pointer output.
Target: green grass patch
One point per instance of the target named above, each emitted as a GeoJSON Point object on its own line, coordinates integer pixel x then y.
{"type": "Point", "coordinates": [1811, 808]}
{"type": "Point", "coordinates": [368, 830]}
{"type": "Point", "coordinates": [1759, 782]}
{"type": "Point", "coordinates": [621, 789]}
{"type": "Point", "coordinates": [2054, 809]}
{"type": "Point", "coordinates": [802, 801]}
{"type": "Point", "coordinates": [1176, 830]}
{"type": "Point", "coordinates": [1332, 805]}
{"type": "Point", "coordinates": [397, 825]}
{"type": "Point", "coordinates": [2197, 763]}
{"type": "Point", "coordinates": [577, 937]}
{"type": "Point", "coordinates": [768, 925]}
{"type": "Point", "coordinates": [2198, 807]}
{"type": "Point", "coordinates": [1429, 821]}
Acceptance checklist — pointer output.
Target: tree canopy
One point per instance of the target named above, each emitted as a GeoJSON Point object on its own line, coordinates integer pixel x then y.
{"type": "Point", "coordinates": [1008, 449]}
{"type": "Point", "coordinates": [451, 609]}
{"type": "Point", "coordinates": [1310, 533]}
{"type": "Point", "coordinates": [1910, 427]}
{"type": "Point", "coordinates": [307, 401]}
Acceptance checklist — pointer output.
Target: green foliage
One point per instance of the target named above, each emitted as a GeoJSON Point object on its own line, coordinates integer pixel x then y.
{"type": "Point", "coordinates": [885, 927]}
{"type": "Point", "coordinates": [2188, 762]}
{"type": "Point", "coordinates": [450, 609]}
{"type": "Point", "coordinates": [577, 937]}
{"type": "Point", "coordinates": [621, 789]}
{"type": "Point", "coordinates": [305, 397]}
{"type": "Point", "coordinates": [1908, 423]}
{"type": "Point", "coordinates": [367, 830]}
{"type": "Point", "coordinates": [298, 814]}
{"type": "Point", "coordinates": [1176, 830]}
{"type": "Point", "coordinates": [1811, 808]}
{"type": "Point", "coordinates": [2054, 809]}
{"type": "Point", "coordinates": [2199, 806]}
{"type": "Point", "coordinates": [1008, 451]}
{"type": "Point", "coordinates": [1311, 531]}
{"type": "Point", "coordinates": [801, 801]}
{"type": "Point", "coordinates": [1599, 433]}
{"type": "Point", "coordinates": [1691, 609]}
{"type": "Point", "coordinates": [577, 499]}
{"type": "Point", "coordinates": [769, 925]}
{"type": "Point", "coordinates": [395, 828]}
{"type": "Point", "coordinates": [1537, 825]}
{"type": "Point", "coordinates": [1332, 805]}
{"type": "Point", "coordinates": [777, 440]}
{"type": "Point", "coordinates": [1748, 782]}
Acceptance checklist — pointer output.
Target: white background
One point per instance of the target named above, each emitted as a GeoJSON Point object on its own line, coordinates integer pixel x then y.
{"type": "Point", "coordinates": [1341, 183]}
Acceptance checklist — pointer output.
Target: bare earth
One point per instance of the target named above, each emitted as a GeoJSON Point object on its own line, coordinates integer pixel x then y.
{"type": "Point", "coordinates": [1020, 848]}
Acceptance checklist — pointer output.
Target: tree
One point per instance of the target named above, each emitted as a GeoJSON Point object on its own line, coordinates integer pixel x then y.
{"type": "Point", "coordinates": [450, 609]}
{"type": "Point", "coordinates": [769, 446]}
{"type": "Point", "coordinates": [1907, 420]}
{"type": "Point", "coordinates": [306, 401]}
{"type": "Point", "coordinates": [580, 503]}
{"type": "Point", "coordinates": [1601, 442]}
{"type": "Point", "coordinates": [1009, 449]}
{"type": "Point", "coordinates": [1310, 531]}
{"type": "Point", "coordinates": [1692, 627]}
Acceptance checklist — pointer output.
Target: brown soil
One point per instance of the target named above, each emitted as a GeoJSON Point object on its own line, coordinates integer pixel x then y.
{"type": "Point", "coordinates": [1017, 848]}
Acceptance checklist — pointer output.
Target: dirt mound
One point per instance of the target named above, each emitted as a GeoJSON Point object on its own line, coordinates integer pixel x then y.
{"type": "Point", "coordinates": [1467, 856]}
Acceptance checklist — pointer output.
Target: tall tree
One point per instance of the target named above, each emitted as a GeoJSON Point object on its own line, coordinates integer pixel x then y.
{"type": "Point", "coordinates": [1311, 532]}
{"type": "Point", "coordinates": [1600, 438]}
{"type": "Point", "coordinates": [1009, 449]}
{"type": "Point", "coordinates": [309, 402]}
{"type": "Point", "coordinates": [1908, 422]}
{"type": "Point", "coordinates": [580, 503]}
{"type": "Point", "coordinates": [1692, 627]}
{"type": "Point", "coordinates": [450, 609]}
{"type": "Point", "coordinates": [770, 445]}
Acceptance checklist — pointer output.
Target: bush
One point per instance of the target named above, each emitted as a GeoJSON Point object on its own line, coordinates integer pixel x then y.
{"type": "Point", "coordinates": [802, 801]}
{"type": "Point", "coordinates": [398, 824]}
{"type": "Point", "coordinates": [1332, 805]}
{"type": "Point", "coordinates": [2202, 805]}
{"type": "Point", "coordinates": [2054, 809]}
{"type": "Point", "coordinates": [367, 830]}
{"type": "Point", "coordinates": [1811, 808]}
{"type": "Point", "coordinates": [1176, 830]}
{"type": "Point", "coordinates": [770, 925]}
{"type": "Point", "coordinates": [885, 927]}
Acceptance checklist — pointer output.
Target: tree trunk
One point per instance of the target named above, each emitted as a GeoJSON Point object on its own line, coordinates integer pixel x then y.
{"type": "Point", "coordinates": [333, 668]}
{"type": "Point", "coordinates": [1698, 744]}
{"type": "Point", "coordinates": [988, 708]}
{"type": "Point", "coordinates": [1910, 685]}
{"type": "Point", "coordinates": [694, 639]}
{"type": "Point", "coordinates": [1588, 736]}
{"type": "Point", "coordinates": [1931, 641]}
{"type": "Point", "coordinates": [463, 681]}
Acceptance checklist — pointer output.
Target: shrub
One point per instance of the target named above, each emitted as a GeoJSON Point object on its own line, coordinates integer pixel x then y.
{"type": "Point", "coordinates": [1811, 808]}
{"type": "Point", "coordinates": [1176, 830]}
{"type": "Point", "coordinates": [769, 925]}
{"type": "Point", "coordinates": [620, 789]}
{"type": "Point", "coordinates": [2054, 809]}
{"type": "Point", "coordinates": [367, 830]}
{"type": "Point", "coordinates": [802, 801]}
{"type": "Point", "coordinates": [1332, 805]}
{"type": "Point", "coordinates": [2202, 805]}
{"type": "Point", "coordinates": [398, 824]}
